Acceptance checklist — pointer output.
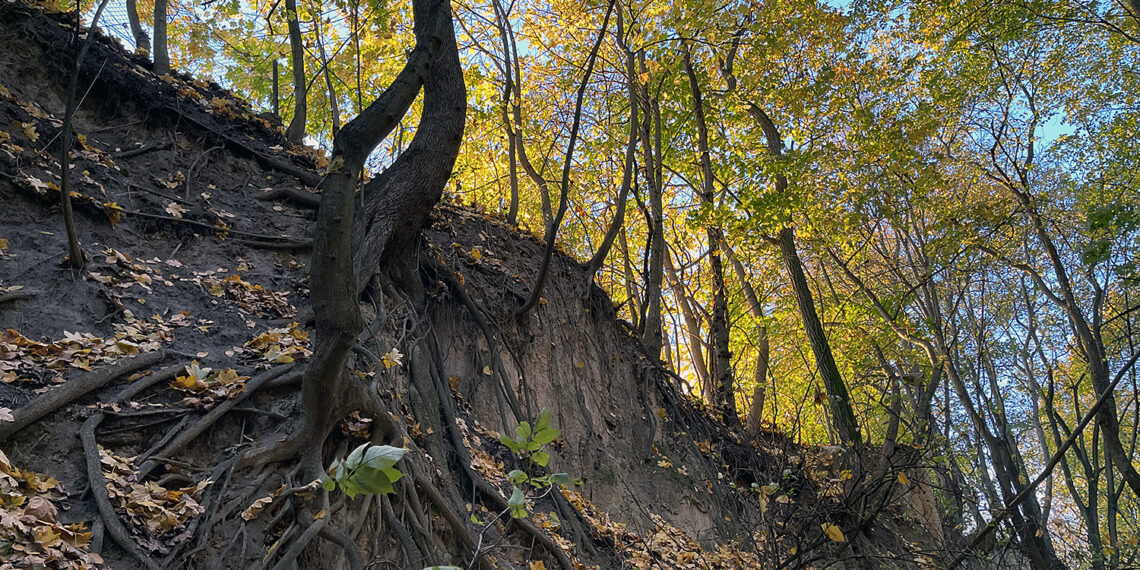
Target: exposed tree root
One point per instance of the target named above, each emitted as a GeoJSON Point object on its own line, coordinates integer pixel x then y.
{"type": "Point", "coordinates": [98, 483]}
{"type": "Point", "coordinates": [187, 435]}
{"type": "Point", "coordinates": [257, 240]}
{"type": "Point", "coordinates": [298, 197]}
{"type": "Point", "coordinates": [73, 389]}
{"type": "Point", "coordinates": [142, 150]}
{"type": "Point", "coordinates": [18, 295]}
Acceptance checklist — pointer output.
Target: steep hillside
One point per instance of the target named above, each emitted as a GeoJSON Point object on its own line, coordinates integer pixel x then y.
{"type": "Point", "coordinates": [179, 346]}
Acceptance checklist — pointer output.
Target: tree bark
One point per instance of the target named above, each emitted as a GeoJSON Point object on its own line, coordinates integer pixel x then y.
{"type": "Point", "coordinates": [599, 256]}
{"type": "Point", "coordinates": [763, 348]}
{"type": "Point", "coordinates": [399, 199]}
{"type": "Point", "coordinates": [296, 131]}
{"type": "Point", "coordinates": [721, 360]}
{"type": "Point", "coordinates": [142, 41]}
{"type": "Point", "coordinates": [839, 400]}
{"type": "Point", "coordinates": [161, 54]}
{"type": "Point", "coordinates": [564, 189]}
{"type": "Point", "coordinates": [655, 244]}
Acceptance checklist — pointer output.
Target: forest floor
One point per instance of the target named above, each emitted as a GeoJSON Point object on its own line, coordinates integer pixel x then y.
{"type": "Point", "coordinates": [128, 386]}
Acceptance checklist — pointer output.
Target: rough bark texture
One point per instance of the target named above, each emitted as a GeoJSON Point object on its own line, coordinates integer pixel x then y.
{"type": "Point", "coordinates": [161, 53]}
{"type": "Point", "coordinates": [398, 201]}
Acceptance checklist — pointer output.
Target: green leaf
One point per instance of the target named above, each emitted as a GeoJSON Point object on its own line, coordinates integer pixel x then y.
{"type": "Point", "coordinates": [544, 418]}
{"type": "Point", "coordinates": [523, 430]}
{"type": "Point", "coordinates": [541, 458]}
{"type": "Point", "coordinates": [517, 476]}
{"type": "Point", "coordinates": [356, 457]}
{"type": "Point", "coordinates": [383, 456]}
{"type": "Point", "coordinates": [373, 481]}
{"type": "Point", "coordinates": [328, 484]}
{"type": "Point", "coordinates": [517, 504]}
{"type": "Point", "coordinates": [560, 478]}
{"type": "Point", "coordinates": [546, 435]}
{"type": "Point", "coordinates": [510, 443]}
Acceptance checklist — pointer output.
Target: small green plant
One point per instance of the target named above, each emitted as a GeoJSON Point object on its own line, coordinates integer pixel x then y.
{"type": "Point", "coordinates": [528, 444]}
{"type": "Point", "coordinates": [368, 470]}
{"type": "Point", "coordinates": [529, 439]}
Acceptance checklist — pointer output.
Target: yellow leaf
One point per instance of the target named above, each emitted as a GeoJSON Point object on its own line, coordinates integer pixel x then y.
{"type": "Point", "coordinates": [320, 514]}
{"type": "Point", "coordinates": [1040, 533]}
{"type": "Point", "coordinates": [904, 479]}
{"type": "Point", "coordinates": [536, 565]}
{"type": "Point", "coordinates": [832, 531]}
{"type": "Point", "coordinates": [487, 370]}
{"type": "Point", "coordinates": [661, 413]}
{"type": "Point", "coordinates": [476, 254]}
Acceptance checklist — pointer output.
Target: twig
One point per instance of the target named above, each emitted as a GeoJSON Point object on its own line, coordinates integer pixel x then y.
{"type": "Point", "coordinates": [73, 389]}
{"type": "Point", "coordinates": [142, 150]}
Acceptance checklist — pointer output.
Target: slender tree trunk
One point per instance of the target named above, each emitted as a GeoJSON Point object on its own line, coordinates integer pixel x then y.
{"type": "Point", "coordinates": [142, 41]}
{"type": "Point", "coordinates": [564, 187]}
{"type": "Point", "coordinates": [842, 413]}
{"type": "Point", "coordinates": [161, 54]}
{"type": "Point", "coordinates": [632, 299]}
{"type": "Point", "coordinates": [763, 349]}
{"type": "Point", "coordinates": [618, 222]}
{"type": "Point", "coordinates": [721, 359]}
{"type": "Point", "coordinates": [651, 167]}
{"type": "Point", "coordinates": [334, 105]}
{"type": "Point", "coordinates": [75, 256]}
{"type": "Point", "coordinates": [693, 331]}
{"type": "Point", "coordinates": [296, 131]}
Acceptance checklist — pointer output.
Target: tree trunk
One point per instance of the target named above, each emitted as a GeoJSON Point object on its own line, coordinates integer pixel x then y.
{"type": "Point", "coordinates": [161, 55]}
{"type": "Point", "coordinates": [693, 331]}
{"type": "Point", "coordinates": [655, 244]}
{"type": "Point", "coordinates": [763, 349]}
{"type": "Point", "coordinates": [327, 390]}
{"type": "Point", "coordinates": [400, 199]}
{"type": "Point", "coordinates": [842, 413]}
{"type": "Point", "coordinates": [334, 106]}
{"type": "Point", "coordinates": [142, 41]}
{"type": "Point", "coordinates": [616, 225]}
{"type": "Point", "coordinates": [296, 131]}
{"type": "Point", "coordinates": [721, 357]}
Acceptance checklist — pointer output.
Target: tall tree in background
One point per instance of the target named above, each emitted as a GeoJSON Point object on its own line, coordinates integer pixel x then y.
{"type": "Point", "coordinates": [296, 131]}
{"type": "Point", "coordinates": [161, 53]}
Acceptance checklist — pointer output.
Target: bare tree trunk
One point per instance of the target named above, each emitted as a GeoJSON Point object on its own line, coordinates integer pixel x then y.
{"type": "Point", "coordinates": [503, 24]}
{"type": "Point", "coordinates": [616, 225]}
{"type": "Point", "coordinates": [763, 349]}
{"type": "Point", "coordinates": [327, 390]}
{"type": "Point", "coordinates": [142, 41]}
{"type": "Point", "coordinates": [296, 131]}
{"type": "Point", "coordinates": [632, 299]}
{"type": "Point", "coordinates": [841, 411]}
{"type": "Point", "coordinates": [693, 330]}
{"type": "Point", "coordinates": [721, 358]}
{"type": "Point", "coordinates": [564, 190]}
{"type": "Point", "coordinates": [651, 166]}
{"type": "Point", "coordinates": [334, 106]}
{"type": "Point", "coordinates": [161, 54]}
{"type": "Point", "coordinates": [75, 256]}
